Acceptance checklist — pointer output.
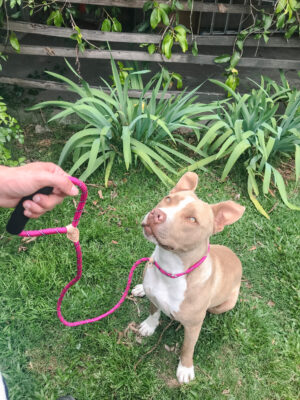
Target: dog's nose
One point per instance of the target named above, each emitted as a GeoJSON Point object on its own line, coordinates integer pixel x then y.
{"type": "Point", "coordinates": [157, 216]}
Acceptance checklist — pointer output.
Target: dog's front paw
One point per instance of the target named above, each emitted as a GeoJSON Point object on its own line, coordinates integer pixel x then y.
{"type": "Point", "coordinates": [185, 374]}
{"type": "Point", "coordinates": [148, 326]}
{"type": "Point", "coordinates": [138, 291]}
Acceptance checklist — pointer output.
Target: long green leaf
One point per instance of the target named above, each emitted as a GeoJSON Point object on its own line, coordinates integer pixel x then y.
{"type": "Point", "coordinates": [93, 156]}
{"type": "Point", "coordinates": [267, 178]}
{"type": "Point", "coordinates": [100, 160]}
{"type": "Point", "coordinates": [198, 164]}
{"type": "Point", "coordinates": [147, 160]}
{"type": "Point", "coordinates": [73, 141]}
{"type": "Point", "coordinates": [175, 153]}
{"type": "Point", "coordinates": [251, 176]}
{"type": "Point", "coordinates": [126, 133]}
{"type": "Point", "coordinates": [73, 86]}
{"type": "Point", "coordinates": [163, 125]}
{"type": "Point", "coordinates": [210, 135]}
{"type": "Point", "coordinates": [109, 167]}
{"type": "Point", "coordinates": [118, 84]}
{"type": "Point", "coordinates": [79, 162]}
{"type": "Point", "coordinates": [221, 139]}
{"type": "Point", "coordinates": [147, 150]}
{"type": "Point", "coordinates": [297, 161]}
{"type": "Point", "coordinates": [225, 146]}
{"type": "Point", "coordinates": [281, 187]}
{"type": "Point", "coordinates": [55, 103]}
{"type": "Point", "coordinates": [254, 200]}
{"type": "Point", "coordinates": [237, 152]}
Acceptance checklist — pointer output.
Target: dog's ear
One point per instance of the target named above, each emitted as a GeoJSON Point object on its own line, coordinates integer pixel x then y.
{"type": "Point", "coordinates": [226, 213]}
{"type": "Point", "coordinates": [188, 181]}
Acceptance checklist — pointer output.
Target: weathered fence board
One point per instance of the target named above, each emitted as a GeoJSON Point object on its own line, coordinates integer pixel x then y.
{"type": "Point", "coordinates": [49, 85]}
{"type": "Point", "coordinates": [198, 5]}
{"type": "Point", "coordinates": [201, 59]}
{"type": "Point", "coordinates": [123, 37]}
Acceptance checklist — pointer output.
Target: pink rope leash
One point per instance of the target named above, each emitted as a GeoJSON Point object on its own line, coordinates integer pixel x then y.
{"type": "Point", "coordinates": [64, 230]}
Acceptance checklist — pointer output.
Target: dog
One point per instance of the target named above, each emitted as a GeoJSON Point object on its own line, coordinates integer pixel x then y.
{"type": "Point", "coordinates": [180, 227]}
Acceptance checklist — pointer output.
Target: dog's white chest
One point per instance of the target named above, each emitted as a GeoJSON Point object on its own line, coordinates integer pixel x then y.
{"type": "Point", "coordinates": [165, 293]}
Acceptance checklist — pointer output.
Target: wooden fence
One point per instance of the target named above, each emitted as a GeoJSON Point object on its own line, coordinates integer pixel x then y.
{"type": "Point", "coordinates": [204, 41]}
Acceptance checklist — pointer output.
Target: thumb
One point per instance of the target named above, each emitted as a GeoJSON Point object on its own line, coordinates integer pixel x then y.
{"type": "Point", "coordinates": [61, 183]}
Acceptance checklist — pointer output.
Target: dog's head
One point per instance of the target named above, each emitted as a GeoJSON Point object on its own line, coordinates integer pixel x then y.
{"type": "Point", "coordinates": [180, 221]}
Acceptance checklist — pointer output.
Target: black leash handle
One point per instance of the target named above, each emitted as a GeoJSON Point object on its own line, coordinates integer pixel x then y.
{"type": "Point", "coordinates": [18, 220]}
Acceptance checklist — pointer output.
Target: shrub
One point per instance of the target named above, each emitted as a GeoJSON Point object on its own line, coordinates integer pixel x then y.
{"type": "Point", "coordinates": [10, 132]}
{"type": "Point", "coordinates": [251, 132]}
{"type": "Point", "coordinates": [119, 128]}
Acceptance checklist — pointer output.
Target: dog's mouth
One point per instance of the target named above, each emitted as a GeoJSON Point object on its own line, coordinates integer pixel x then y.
{"type": "Point", "coordinates": [148, 231]}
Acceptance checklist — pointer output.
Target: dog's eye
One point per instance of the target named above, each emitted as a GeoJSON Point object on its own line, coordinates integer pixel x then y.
{"type": "Point", "coordinates": [192, 219]}
{"type": "Point", "coordinates": [168, 199]}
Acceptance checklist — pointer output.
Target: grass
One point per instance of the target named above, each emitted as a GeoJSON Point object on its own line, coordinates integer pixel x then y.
{"type": "Point", "coordinates": [251, 352]}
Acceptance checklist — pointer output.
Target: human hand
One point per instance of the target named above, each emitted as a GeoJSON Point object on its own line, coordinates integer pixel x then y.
{"type": "Point", "coordinates": [17, 182]}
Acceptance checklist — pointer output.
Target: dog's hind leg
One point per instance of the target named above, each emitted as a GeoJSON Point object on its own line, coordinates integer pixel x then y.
{"type": "Point", "coordinates": [228, 304]}
{"type": "Point", "coordinates": [148, 326]}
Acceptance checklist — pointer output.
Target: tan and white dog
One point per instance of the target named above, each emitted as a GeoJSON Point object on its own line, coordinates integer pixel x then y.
{"type": "Point", "coordinates": [180, 226]}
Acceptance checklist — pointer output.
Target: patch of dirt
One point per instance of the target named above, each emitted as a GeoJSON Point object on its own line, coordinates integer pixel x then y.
{"type": "Point", "coordinates": [287, 170]}
{"type": "Point", "coordinates": [39, 362]}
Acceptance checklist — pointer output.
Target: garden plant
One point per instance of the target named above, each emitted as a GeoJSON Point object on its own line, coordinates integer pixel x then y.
{"type": "Point", "coordinates": [121, 129]}
{"type": "Point", "coordinates": [253, 131]}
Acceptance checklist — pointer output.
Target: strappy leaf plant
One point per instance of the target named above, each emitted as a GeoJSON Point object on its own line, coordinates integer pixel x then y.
{"type": "Point", "coordinates": [131, 130]}
{"type": "Point", "coordinates": [251, 132]}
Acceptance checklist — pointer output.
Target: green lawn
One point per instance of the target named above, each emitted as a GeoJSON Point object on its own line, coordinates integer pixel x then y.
{"type": "Point", "coordinates": [251, 352]}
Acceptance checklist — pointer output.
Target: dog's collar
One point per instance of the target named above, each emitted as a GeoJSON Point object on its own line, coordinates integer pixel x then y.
{"type": "Point", "coordinates": [194, 266]}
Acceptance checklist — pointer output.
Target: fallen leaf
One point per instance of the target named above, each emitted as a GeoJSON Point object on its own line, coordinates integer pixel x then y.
{"type": "Point", "coordinates": [113, 194]}
{"type": "Point", "coordinates": [100, 194]}
{"type": "Point", "coordinates": [74, 202]}
{"type": "Point", "coordinates": [271, 193]}
{"type": "Point", "coordinates": [111, 183]}
{"type": "Point", "coordinates": [168, 348]}
{"type": "Point", "coordinates": [257, 295]}
{"type": "Point", "coordinates": [114, 242]}
{"type": "Point", "coordinates": [29, 239]}
{"type": "Point", "coordinates": [248, 285]}
{"type": "Point", "coordinates": [22, 248]}
{"type": "Point", "coordinates": [271, 303]}
{"type": "Point", "coordinates": [92, 185]}
{"type": "Point", "coordinates": [237, 196]}
{"type": "Point", "coordinates": [95, 202]}
{"type": "Point", "coordinates": [124, 180]}
{"type": "Point", "coordinates": [172, 383]}
{"type": "Point", "coordinates": [252, 248]}
{"type": "Point", "coordinates": [226, 391]}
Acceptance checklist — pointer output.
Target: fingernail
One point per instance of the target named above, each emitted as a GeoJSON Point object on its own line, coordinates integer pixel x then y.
{"type": "Point", "coordinates": [36, 198]}
{"type": "Point", "coordinates": [27, 213]}
{"type": "Point", "coordinates": [26, 206]}
{"type": "Point", "coordinates": [74, 191]}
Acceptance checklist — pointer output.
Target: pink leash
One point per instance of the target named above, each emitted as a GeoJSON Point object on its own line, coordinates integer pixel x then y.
{"type": "Point", "coordinates": [77, 215]}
